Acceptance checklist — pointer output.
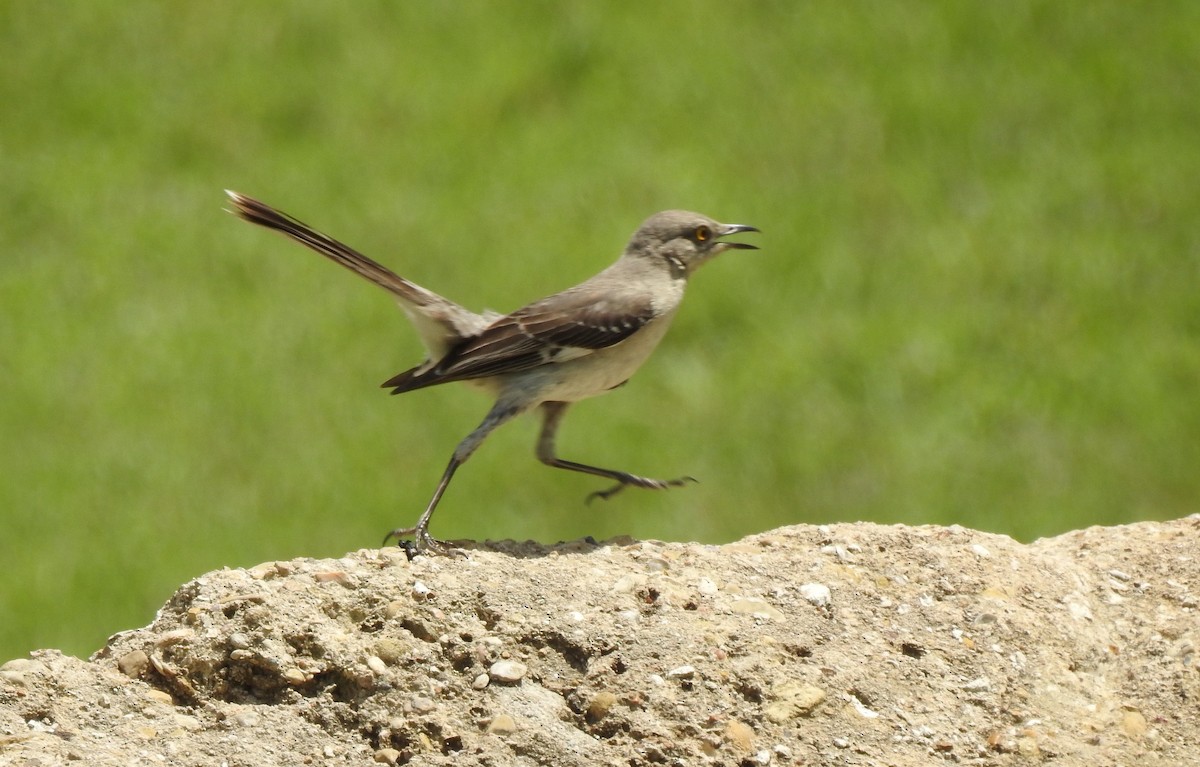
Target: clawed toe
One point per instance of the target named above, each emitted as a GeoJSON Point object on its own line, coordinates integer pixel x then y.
{"type": "Point", "coordinates": [647, 483]}
{"type": "Point", "coordinates": [421, 543]}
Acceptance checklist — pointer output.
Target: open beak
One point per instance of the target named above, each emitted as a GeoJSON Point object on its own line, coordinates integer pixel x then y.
{"type": "Point", "coordinates": [728, 229]}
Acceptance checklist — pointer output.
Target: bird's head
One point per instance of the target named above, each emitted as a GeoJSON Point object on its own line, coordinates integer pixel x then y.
{"type": "Point", "coordinates": [685, 240]}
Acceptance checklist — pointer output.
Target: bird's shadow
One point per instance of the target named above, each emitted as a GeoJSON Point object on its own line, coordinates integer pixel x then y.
{"type": "Point", "coordinates": [530, 549]}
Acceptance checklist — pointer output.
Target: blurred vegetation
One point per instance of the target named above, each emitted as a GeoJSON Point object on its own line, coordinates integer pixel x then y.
{"type": "Point", "coordinates": [976, 303]}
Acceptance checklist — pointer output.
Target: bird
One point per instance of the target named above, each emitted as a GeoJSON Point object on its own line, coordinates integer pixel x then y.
{"type": "Point", "coordinates": [578, 343]}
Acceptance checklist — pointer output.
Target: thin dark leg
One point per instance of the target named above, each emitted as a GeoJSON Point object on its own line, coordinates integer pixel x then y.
{"type": "Point", "coordinates": [422, 540]}
{"type": "Point", "coordinates": [553, 413]}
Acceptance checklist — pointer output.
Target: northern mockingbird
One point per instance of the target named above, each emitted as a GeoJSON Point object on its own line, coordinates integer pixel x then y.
{"type": "Point", "coordinates": [576, 344]}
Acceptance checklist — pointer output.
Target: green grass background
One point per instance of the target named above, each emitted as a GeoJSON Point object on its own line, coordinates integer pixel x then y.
{"type": "Point", "coordinates": [977, 299]}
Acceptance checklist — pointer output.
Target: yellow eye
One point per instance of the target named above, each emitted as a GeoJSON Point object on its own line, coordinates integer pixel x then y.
{"type": "Point", "coordinates": [702, 233]}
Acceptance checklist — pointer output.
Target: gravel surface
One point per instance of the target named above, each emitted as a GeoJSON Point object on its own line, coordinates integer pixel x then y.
{"type": "Point", "coordinates": [835, 645]}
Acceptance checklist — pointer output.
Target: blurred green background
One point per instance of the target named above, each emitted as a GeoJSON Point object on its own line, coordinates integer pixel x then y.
{"type": "Point", "coordinates": [976, 300]}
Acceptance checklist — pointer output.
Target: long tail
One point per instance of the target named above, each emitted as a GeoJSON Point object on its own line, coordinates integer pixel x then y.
{"type": "Point", "coordinates": [262, 214]}
{"type": "Point", "coordinates": [440, 322]}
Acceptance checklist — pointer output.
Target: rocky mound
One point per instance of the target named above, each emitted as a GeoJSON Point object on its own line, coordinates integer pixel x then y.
{"type": "Point", "coordinates": [834, 645]}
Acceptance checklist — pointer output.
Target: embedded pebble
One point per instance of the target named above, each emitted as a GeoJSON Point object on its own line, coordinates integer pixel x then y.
{"type": "Point", "coordinates": [18, 670]}
{"type": "Point", "coordinates": [740, 735]}
{"type": "Point", "coordinates": [340, 577]}
{"type": "Point", "coordinates": [133, 663]}
{"type": "Point", "coordinates": [247, 718]}
{"type": "Point", "coordinates": [376, 664]}
{"type": "Point", "coordinates": [792, 700]}
{"type": "Point", "coordinates": [861, 708]}
{"type": "Point", "coordinates": [682, 672]}
{"type": "Point", "coordinates": [502, 724]}
{"type": "Point", "coordinates": [756, 607]}
{"type": "Point", "coordinates": [480, 682]}
{"type": "Point", "coordinates": [387, 756]}
{"type": "Point", "coordinates": [422, 705]}
{"type": "Point", "coordinates": [160, 696]}
{"type": "Point", "coordinates": [294, 676]}
{"type": "Point", "coordinates": [507, 671]}
{"type": "Point", "coordinates": [1133, 724]}
{"type": "Point", "coordinates": [816, 593]}
{"type": "Point", "coordinates": [389, 650]}
{"type": "Point", "coordinates": [600, 705]}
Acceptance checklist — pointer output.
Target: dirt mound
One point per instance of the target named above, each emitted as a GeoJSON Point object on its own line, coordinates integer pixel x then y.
{"type": "Point", "coordinates": [834, 645]}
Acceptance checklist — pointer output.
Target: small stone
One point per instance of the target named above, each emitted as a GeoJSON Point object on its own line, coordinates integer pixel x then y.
{"type": "Point", "coordinates": [762, 757]}
{"type": "Point", "coordinates": [17, 670]}
{"type": "Point", "coordinates": [600, 705]}
{"type": "Point", "coordinates": [507, 671]}
{"type": "Point", "coordinates": [340, 577]}
{"type": "Point", "coordinates": [841, 743]}
{"type": "Point", "coordinates": [389, 650]}
{"type": "Point", "coordinates": [262, 571]}
{"type": "Point", "coordinates": [423, 705]}
{"type": "Point", "coordinates": [133, 663]}
{"type": "Point", "coordinates": [707, 587]}
{"type": "Point", "coordinates": [239, 641]}
{"type": "Point", "coordinates": [792, 700]}
{"type": "Point", "coordinates": [1027, 746]}
{"type": "Point", "coordinates": [756, 607]}
{"type": "Point", "coordinates": [1133, 724]}
{"type": "Point", "coordinates": [740, 735]}
{"type": "Point", "coordinates": [982, 684]}
{"type": "Point", "coordinates": [387, 756]}
{"type": "Point", "coordinates": [480, 682]}
{"type": "Point", "coordinates": [420, 591]}
{"type": "Point", "coordinates": [502, 724]}
{"type": "Point", "coordinates": [862, 709]}
{"type": "Point", "coordinates": [626, 584]}
{"type": "Point", "coordinates": [294, 676]}
{"type": "Point", "coordinates": [159, 696]}
{"type": "Point", "coordinates": [682, 672]}
{"type": "Point", "coordinates": [376, 664]}
{"type": "Point", "coordinates": [817, 594]}
{"type": "Point", "coordinates": [247, 718]}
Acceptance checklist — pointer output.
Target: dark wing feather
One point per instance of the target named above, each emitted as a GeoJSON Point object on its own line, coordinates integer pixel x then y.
{"type": "Point", "coordinates": [568, 325]}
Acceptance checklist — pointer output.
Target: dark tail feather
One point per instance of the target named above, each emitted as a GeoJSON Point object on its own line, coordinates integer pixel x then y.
{"type": "Point", "coordinates": [262, 214]}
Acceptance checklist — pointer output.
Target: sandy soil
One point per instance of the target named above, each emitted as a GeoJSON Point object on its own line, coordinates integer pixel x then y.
{"type": "Point", "coordinates": [834, 645]}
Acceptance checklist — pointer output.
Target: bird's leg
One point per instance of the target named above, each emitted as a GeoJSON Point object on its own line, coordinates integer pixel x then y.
{"type": "Point", "coordinates": [552, 413]}
{"type": "Point", "coordinates": [423, 542]}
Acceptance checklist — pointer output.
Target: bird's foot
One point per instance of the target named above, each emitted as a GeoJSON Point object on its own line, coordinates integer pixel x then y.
{"type": "Point", "coordinates": [421, 542]}
{"type": "Point", "coordinates": [632, 480]}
